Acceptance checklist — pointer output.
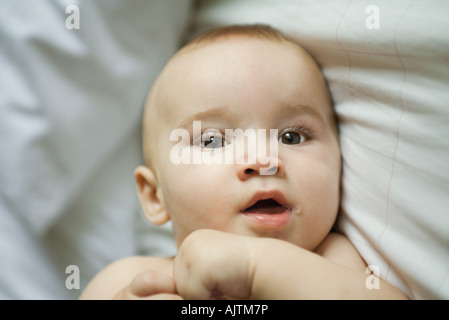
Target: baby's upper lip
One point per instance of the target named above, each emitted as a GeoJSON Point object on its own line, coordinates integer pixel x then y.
{"type": "Point", "coordinates": [266, 195]}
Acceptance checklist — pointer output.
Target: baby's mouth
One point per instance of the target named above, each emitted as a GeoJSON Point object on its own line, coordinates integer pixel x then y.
{"type": "Point", "coordinates": [268, 209]}
{"type": "Point", "coordinates": [267, 206]}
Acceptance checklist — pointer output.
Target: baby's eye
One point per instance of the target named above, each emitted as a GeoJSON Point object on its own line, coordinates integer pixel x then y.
{"type": "Point", "coordinates": [292, 137]}
{"type": "Point", "coordinates": [212, 140]}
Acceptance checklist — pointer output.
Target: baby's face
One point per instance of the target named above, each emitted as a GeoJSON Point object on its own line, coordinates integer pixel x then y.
{"type": "Point", "coordinates": [252, 85]}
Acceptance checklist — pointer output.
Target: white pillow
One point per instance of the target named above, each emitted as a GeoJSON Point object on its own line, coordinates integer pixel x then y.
{"type": "Point", "coordinates": [387, 64]}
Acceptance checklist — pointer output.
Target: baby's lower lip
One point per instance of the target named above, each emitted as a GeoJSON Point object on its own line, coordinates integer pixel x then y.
{"type": "Point", "coordinates": [274, 218]}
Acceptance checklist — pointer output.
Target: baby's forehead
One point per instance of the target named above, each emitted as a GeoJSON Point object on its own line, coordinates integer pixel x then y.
{"type": "Point", "coordinates": [223, 60]}
{"type": "Point", "coordinates": [235, 54]}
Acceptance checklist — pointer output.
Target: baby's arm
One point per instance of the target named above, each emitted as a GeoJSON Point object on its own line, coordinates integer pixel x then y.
{"type": "Point", "coordinates": [241, 267]}
{"type": "Point", "coordinates": [133, 278]}
{"type": "Point", "coordinates": [334, 271]}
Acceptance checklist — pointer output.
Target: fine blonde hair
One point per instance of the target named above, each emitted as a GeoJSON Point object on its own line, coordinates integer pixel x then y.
{"type": "Point", "coordinates": [253, 31]}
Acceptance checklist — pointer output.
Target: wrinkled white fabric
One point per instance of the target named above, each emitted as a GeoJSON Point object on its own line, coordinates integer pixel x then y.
{"type": "Point", "coordinates": [70, 120]}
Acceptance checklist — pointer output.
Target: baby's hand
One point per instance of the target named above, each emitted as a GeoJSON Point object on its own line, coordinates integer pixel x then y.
{"type": "Point", "coordinates": [213, 264]}
{"type": "Point", "coordinates": [149, 285]}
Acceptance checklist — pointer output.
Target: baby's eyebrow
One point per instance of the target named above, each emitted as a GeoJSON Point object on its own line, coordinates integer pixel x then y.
{"type": "Point", "coordinates": [221, 113]}
{"type": "Point", "coordinates": [295, 109]}
{"type": "Point", "coordinates": [217, 113]}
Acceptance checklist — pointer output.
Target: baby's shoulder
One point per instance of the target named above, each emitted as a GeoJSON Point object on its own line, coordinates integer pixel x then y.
{"type": "Point", "coordinates": [339, 249]}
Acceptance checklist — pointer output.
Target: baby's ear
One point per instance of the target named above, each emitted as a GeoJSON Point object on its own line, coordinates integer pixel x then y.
{"type": "Point", "coordinates": [150, 199]}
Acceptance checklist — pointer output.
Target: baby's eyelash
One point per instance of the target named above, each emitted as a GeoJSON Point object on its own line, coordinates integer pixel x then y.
{"type": "Point", "coordinates": [300, 128]}
{"type": "Point", "coordinates": [305, 131]}
{"type": "Point", "coordinates": [208, 132]}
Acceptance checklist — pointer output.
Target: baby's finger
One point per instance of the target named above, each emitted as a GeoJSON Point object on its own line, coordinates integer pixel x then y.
{"type": "Point", "coordinates": [189, 283]}
{"type": "Point", "coordinates": [125, 294]}
{"type": "Point", "coordinates": [150, 283]}
{"type": "Point", "coordinates": [164, 296]}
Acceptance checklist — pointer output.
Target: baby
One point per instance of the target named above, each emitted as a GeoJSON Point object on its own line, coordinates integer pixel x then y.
{"type": "Point", "coordinates": [244, 229]}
